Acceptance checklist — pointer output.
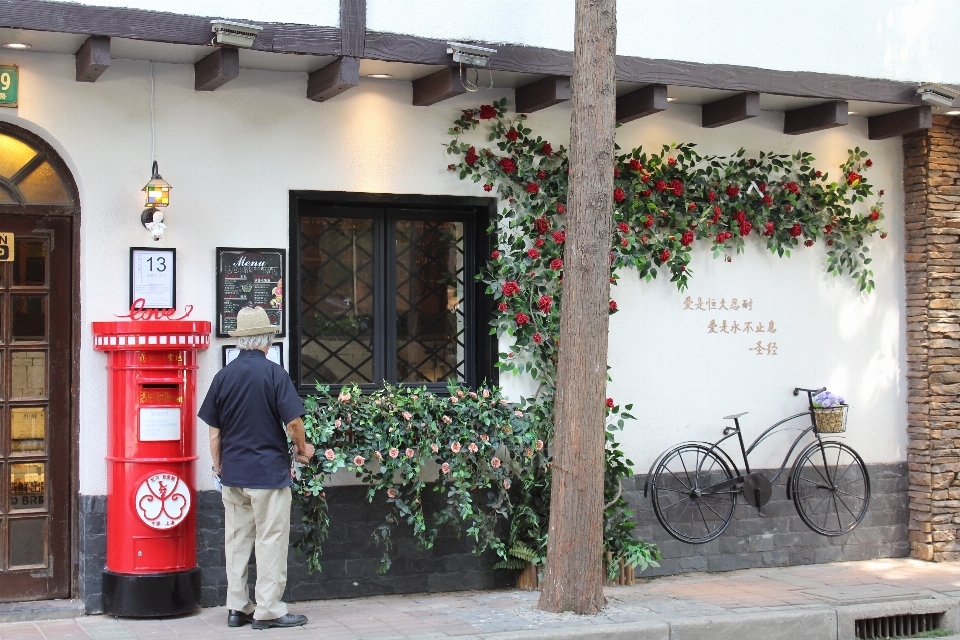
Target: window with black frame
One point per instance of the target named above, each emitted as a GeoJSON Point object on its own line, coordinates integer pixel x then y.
{"type": "Point", "coordinates": [388, 293]}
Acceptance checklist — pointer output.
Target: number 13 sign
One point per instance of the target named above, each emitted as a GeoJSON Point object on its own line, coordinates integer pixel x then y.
{"type": "Point", "coordinates": [153, 277]}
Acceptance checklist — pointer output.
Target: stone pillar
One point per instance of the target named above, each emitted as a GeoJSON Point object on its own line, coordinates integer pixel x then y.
{"type": "Point", "coordinates": [931, 178]}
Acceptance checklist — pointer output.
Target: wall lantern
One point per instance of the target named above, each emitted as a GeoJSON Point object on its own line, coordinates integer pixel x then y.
{"type": "Point", "coordinates": [157, 196]}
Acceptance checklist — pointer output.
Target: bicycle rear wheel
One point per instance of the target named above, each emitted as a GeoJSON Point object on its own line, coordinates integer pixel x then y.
{"type": "Point", "coordinates": [685, 498]}
{"type": "Point", "coordinates": [830, 488]}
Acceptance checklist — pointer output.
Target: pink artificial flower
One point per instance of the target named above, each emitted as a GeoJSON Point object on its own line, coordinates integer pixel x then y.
{"type": "Point", "coordinates": [472, 447]}
{"type": "Point", "coordinates": [344, 397]}
{"type": "Point", "coordinates": [407, 415]}
{"type": "Point", "coordinates": [358, 461]}
{"type": "Point", "coordinates": [486, 394]}
{"type": "Point", "coordinates": [518, 413]}
{"type": "Point", "coordinates": [506, 485]}
{"type": "Point", "coordinates": [410, 453]}
{"type": "Point", "coordinates": [495, 463]}
{"type": "Point", "coordinates": [329, 454]}
{"type": "Point", "coordinates": [394, 452]}
{"type": "Point", "coordinates": [539, 445]}
{"type": "Point", "coordinates": [455, 447]}
{"type": "Point", "coordinates": [445, 468]}
{"type": "Point", "coordinates": [391, 493]}
{"type": "Point", "coordinates": [434, 448]}
{"type": "Point", "coordinates": [484, 437]}
{"type": "Point", "coordinates": [337, 423]}
{"type": "Point", "coordinates": [447, 419]}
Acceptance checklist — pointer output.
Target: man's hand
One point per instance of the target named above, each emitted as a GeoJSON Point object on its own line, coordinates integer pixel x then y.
{"type": "Point", "coordinates": [307, 453]}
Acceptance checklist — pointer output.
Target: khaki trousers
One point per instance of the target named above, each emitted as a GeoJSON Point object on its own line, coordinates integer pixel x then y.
{"type": "Point", "coordinates": [257, 518]}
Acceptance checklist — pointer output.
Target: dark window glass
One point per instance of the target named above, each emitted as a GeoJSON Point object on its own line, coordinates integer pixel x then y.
{"type": "Point", "coordinates": [29, 317]}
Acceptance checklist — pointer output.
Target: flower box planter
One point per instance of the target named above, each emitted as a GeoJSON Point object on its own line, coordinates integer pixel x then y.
{"type": "Point", "coordinates": [529, 578]}
{"type": "Point", "coordinates": [832, 419]}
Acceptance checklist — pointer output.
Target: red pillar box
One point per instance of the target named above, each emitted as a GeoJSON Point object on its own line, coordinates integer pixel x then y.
{"type": "Point", "coordinates": [151, 449]}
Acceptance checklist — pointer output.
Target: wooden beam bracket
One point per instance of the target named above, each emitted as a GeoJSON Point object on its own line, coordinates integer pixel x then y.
{"type": "Point", "coordinates": [437, 87]}
{"type": "Point", "coordinates": [818, 117]}
{"type": "Point", "coordinates": [729, 110]}
{"type": "Point", "coordinates": [335, 78]}
{"type": "Point", "coordinates": [543, 93]}
{"type": "Point", "coordinates": [899, 123]}
{"type": "Point", "coordinates": [641, 103]}
{"type": "Point", "coordinates": [93, 58]}
{"type": "Point", "coordinates": [217, 69]}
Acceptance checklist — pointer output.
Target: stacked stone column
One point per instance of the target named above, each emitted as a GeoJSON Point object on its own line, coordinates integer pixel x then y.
{"type": "Point", "coordinates": [932, 218]}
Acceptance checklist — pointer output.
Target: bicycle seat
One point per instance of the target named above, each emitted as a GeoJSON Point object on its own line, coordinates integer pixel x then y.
{"type": "Point", "coordinates": [735, 416]}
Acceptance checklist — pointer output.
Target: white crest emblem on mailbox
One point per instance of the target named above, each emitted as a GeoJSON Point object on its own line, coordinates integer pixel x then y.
{"type": "Point", "coordinates": [162, 501]}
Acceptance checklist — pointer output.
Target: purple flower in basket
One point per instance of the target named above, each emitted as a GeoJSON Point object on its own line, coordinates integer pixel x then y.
{"type": "Point", "coordinates": [828, 400]}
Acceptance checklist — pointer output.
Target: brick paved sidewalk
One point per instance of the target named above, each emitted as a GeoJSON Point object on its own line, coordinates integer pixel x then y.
{"type": "Point", "coordinates": [794, 602]}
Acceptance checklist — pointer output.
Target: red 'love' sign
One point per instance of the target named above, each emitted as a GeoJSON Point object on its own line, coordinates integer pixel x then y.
{"type": "Point", "coordinates": [137, 312]}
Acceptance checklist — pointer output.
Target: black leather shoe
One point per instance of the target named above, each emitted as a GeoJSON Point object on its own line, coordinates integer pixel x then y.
{"type": "Point", "coordinates": [238, 618]}
{"type": "Point", "coordinates": [287, 620]}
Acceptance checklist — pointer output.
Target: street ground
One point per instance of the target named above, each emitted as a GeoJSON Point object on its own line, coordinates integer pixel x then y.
{"type": "Point", "coordinates": [819, 602]}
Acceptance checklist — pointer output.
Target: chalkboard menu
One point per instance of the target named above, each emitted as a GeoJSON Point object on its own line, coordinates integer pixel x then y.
{"type": "Point", "coordinates": [249, 278]}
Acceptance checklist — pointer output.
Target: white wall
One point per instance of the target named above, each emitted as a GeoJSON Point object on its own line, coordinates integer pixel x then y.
{"type": "Point", "coordinates": [232, 156]}
{"type": "Point", "coordinates": [312, 12]}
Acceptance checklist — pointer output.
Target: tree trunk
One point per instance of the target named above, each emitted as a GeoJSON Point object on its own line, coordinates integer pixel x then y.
{"type": "Point", "coordinates": [573, 580]}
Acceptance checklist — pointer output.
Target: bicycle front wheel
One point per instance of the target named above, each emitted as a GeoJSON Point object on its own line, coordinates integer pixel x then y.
{"type": "Point", "coordinates": [686, 497]}
{"type": "Point", "coordinates": [830, 487]}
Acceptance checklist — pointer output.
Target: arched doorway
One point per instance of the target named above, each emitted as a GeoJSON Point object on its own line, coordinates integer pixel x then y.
{"type": "Point", "coordinates": [39, 217]}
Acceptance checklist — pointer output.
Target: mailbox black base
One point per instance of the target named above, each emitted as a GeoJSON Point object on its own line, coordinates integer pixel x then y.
{"type": "Point", "coordinates": [152, 595]}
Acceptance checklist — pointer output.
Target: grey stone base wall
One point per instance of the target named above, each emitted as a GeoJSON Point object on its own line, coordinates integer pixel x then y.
{"type": "Point", "coordinates": [780, 538]}
{"type": "Point", "coordinates": [351, 557]}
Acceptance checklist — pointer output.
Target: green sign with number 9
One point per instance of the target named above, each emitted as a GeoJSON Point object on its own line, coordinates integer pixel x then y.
{"type": "Point", "coordinates": [9, 85]}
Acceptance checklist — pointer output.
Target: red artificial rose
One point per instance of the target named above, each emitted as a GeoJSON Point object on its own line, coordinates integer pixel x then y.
{"type": "Point", "coordinates": [880, 192]}
{"type": "Point", "coordinates": [502, 306]}
{"type": "Point", "coordinates": [616, 172]}
{"type": "Point", "coordinates": [733, 191]}
{"type": "Point", "coordinates": [745, 229]}
{"type": "Point", "coordinates": [543, 225]}
{"type": "Point", "coordinates": [544, 303]}
{"type": "Point", "coordinates": [691, 206]}
{"type": "Point", "coordinates": [635, 165]}
{"type": "Point", "coordinates": [619, 195]}
{"type": "Point", "coordinates": [643, 239]}
{"type": "Point", "coordinates": [541, 174]}
{"type": "Point", "coordinates": [829, 243]}
{"type": "Point", "coordinates": [768, 200]}
{"type": "Point", "coordinates": [561, 208]}
{"type": "Point", "coordinates": [793, 188]}
{"type": "Point", "coordinates": [649, 221]}
{"type": "Point", "coordinates": [769, 229]}
{"type": "Point", "coordinates": [613, 305]}
{"type": "Point", "coordinates": [533, 253]}
{"type": "Point", "coordinates": [624, 227]}
{"type": "Point", "coordinates": [868, 163]}
{"type": "Point", "coordinates": [711, 196]}
{"type": "Point", "coordinates": [546, 149]}
{"type": "Point", "coordinates": [664, 255]}
{"type": "Point", "coordinates": [854, 178]}
{"type": "Point", "coordinates": [677, 187]}
{"type": "Point", "coordinates": [796, 230]}
{"type": "Point", "coordinates": [660, 185]}
{"type": "Point", "coordinates": [740, 216]}
{"type": "Point", "coordinates": [883, 235]}
{"type": "Point", "coordinates": [789, 207]}
{"type": "Point", "coordinates": [522, 319]}
{"type": "Point", "coordinates": [495, 254]}
{"type": "Point", "coordinates": [828, 228]}
{"type": "Point", "coordinates": [510, 287]}
{"type": "Point", "coordinates": [508, 165]}
{"type": "Point", "coordinates": [874, 215]}
{"type": "Point", "coordinates": [647, 193]}
{"type": "Point", "coordinates": [819, 174]}
{"type": "Point", "coordinates": [537, 338]}
{"type": "Point", "coordinates": [763, 187]}
{"type": "Point", "coordinates": [487, 111]}
{"type": "Point", "coordinates": [808, 243]}
{"type": "Point", "coordinates": [512, 135]}
{"type": "Point", "coordinates": [610, 402]}
{"type": "Point", "coordinates": [687, 238]}
{"type": "Point", "coordinates": [450, 167]}
{"type": "Point", "coordinates": [645, 177]}
{"type": "Point", "coordinates": [671, 161]}
{"type": "Point", "coordinates": [539, 242]}
{"type": "Point", "coordinates": [556, 264]}
{"type": "Point", "coordinates": [532, 187]}
{"type": "Point", "coordinates": [559, 236]}
{"type": "Point", "coordinates": [472, 156]}
{"type": "Point", "coordinates": [624, 242]}
{"type": "Point", "coordinates": [488, 187]}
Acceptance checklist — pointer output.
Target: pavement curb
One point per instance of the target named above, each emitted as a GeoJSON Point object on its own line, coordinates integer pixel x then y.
{"type": "Point", "coordinates": [41, 610]}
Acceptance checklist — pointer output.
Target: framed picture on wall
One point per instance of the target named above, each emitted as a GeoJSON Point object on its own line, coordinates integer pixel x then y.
{"type": "Point", "coordinates": [153, 277]}
{"type": "Point", "coordinates": [230, 353]}
{"type": "Point", "coordinates": [250, 278]}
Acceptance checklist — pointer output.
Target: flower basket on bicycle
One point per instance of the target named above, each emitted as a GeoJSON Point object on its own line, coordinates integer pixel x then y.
{"type": "Point", "coordinates": [830, 419]}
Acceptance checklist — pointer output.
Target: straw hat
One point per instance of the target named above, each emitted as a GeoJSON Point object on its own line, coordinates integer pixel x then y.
{"type": "Point", "coordinates": [252, 321]}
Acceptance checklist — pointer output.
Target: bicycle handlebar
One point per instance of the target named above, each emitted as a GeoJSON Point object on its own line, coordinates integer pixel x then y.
{"type": "Point", "coordinates": [797, 391]}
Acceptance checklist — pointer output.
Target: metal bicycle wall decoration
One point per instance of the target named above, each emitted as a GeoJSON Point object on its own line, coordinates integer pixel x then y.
{"type": "Point", "coordinates": [695, 485]}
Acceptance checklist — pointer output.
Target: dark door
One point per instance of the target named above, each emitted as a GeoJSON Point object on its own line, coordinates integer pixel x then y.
{"type": "Point", "coordinates": [35, 366]}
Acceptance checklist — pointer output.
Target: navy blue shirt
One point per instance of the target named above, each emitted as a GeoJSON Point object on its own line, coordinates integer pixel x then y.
{"type": "Point", "coordinates": [250, 401]}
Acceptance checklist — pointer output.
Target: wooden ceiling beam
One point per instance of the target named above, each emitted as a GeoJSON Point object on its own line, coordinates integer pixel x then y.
{"type": "Point", "coordinates": [729, 110]}
{"type": "Point", "coordinates": [818, 117]}
{"type": "Point", "coordinates": [217, 69]}
{"type": "Point", "coordinates": [335, 78]}
{"type": "Point", "coordinates": [542, 93]}
{"type": "Point", "coordinates": [437, 87]}
{"type": "Point", "coordinates": [899, 123]}
{"type": "Point", "coordinates": [93, 58]}
{"type": "Point", "coordinates": [641, 103]}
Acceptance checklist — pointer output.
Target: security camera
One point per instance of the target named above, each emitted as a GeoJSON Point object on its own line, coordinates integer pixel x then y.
{"type": "Point", "coordinates": [470, 53]}
{"type": "Point", "coordinates": [938, 94]}
{"type": "Point", "coordinates": [237, 34]}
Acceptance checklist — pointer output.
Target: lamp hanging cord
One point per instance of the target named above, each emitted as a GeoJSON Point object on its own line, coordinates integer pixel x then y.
{"type": "Point", "coordinates": [153, 132]}
{"type": "Point", "coordinates": [474, 86]}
